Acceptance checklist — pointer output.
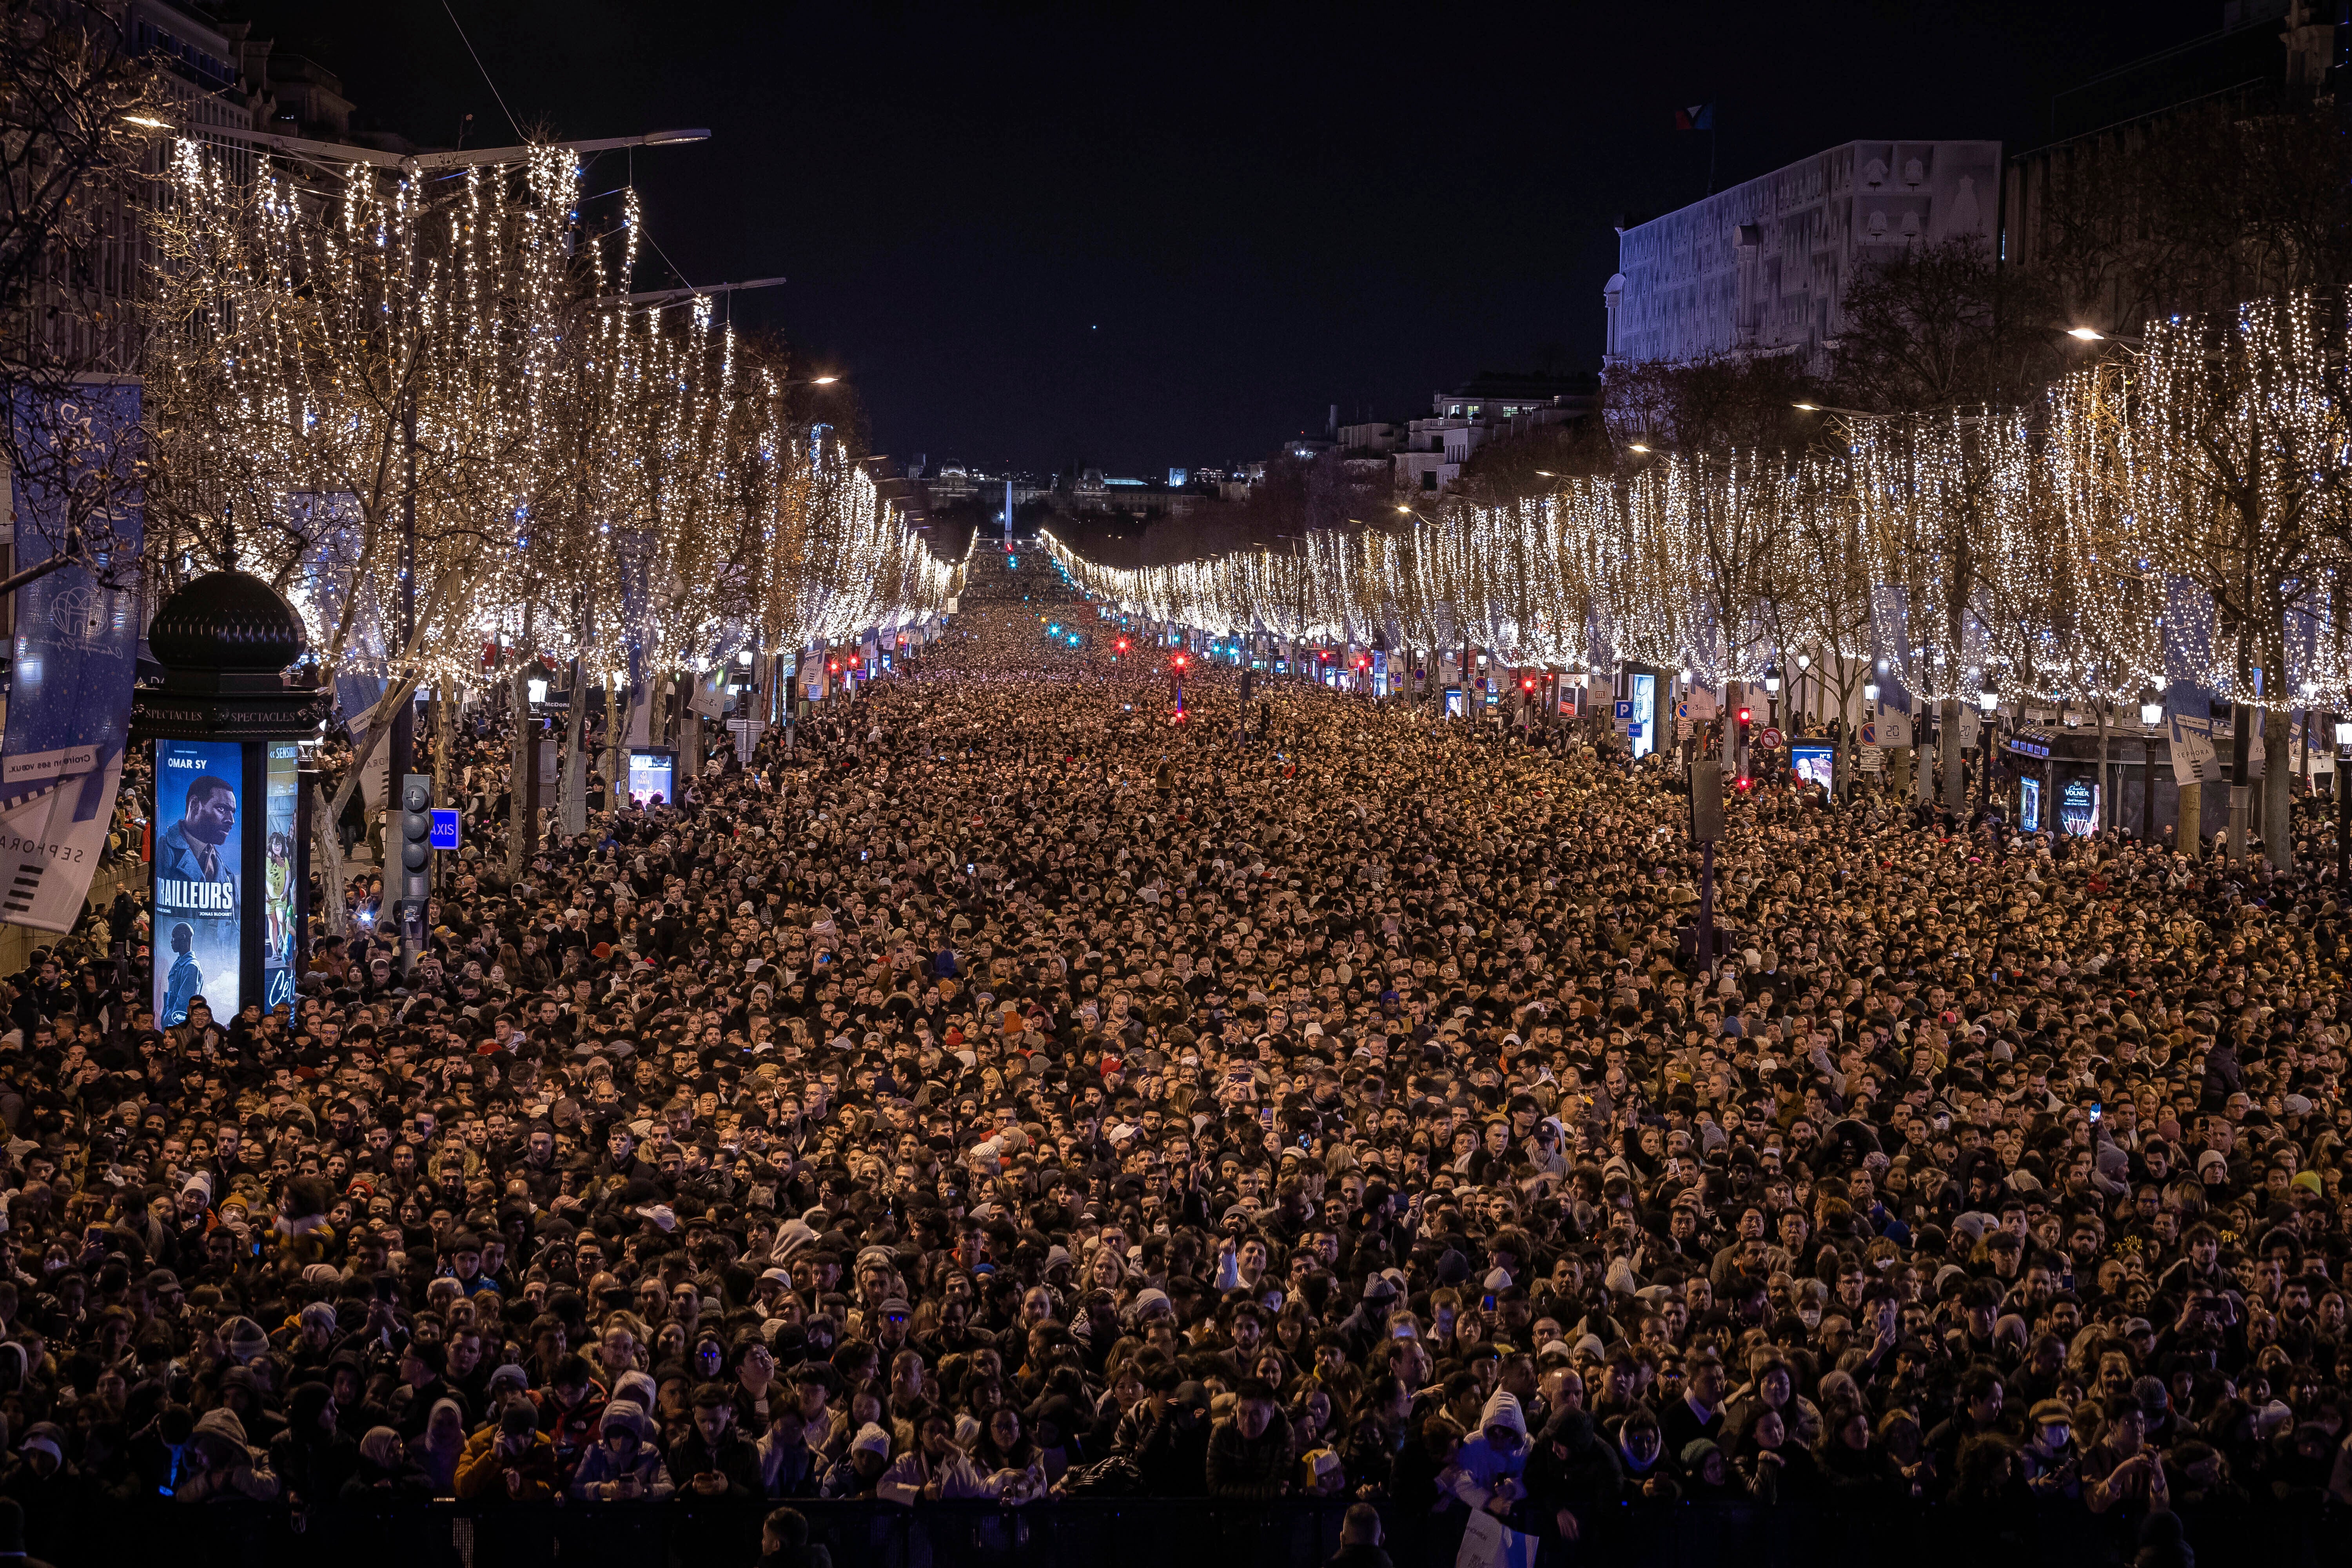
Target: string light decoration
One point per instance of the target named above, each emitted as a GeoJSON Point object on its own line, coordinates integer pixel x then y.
{"type": "Point", "coordinates": [2182, 515]}
{"type": "Point", "coordinates": [593, 480]}
{"type": "Point", "coordinates": [2233, 446]}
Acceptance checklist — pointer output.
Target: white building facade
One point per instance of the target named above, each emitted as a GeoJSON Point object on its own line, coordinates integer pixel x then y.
{"type": "Point", "coordinates": [1763, 267]}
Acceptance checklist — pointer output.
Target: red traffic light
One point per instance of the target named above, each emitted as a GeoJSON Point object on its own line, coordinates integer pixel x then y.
{"type": "Point", "coordinates": [1526, 683]}
{"type": "Point", "coordinates": [1179, 661]}
{"type": "Point", "coordinates": [835, 667]}
{"type": "Point", "coordinates": [1746, 714]}
{"type": "Point", "coordinates": [1745, 782]}
{"type": "Point", "coordinates": [1121, 644]}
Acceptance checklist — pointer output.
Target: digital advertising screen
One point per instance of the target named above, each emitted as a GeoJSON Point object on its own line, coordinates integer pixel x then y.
{"type": "Point", "coordinates": [2078, 808]}
{"type": "Point", "coordinates": [2029, 805]}
{"type": "Point", "coordinates": [199, 871]}
{"type": "Point", "coordinates": [653, 778]}
{"type": "Point", "coordinates": [1814, 762]}
{"type": "Point", "coordinates": [281, 820]}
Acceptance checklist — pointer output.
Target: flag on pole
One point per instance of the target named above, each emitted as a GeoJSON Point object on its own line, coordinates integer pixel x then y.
{"type": "Point", "coordinates": [1697, 117]}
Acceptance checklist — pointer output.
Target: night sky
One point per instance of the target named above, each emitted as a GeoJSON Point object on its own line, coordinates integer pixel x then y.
{"type": "Point", "coordinates": [1175, 236]}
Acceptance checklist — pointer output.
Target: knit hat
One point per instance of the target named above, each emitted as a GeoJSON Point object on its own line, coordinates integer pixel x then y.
{"type": "Point", "coordinates": [247, 1340]}
{"type": "Point", "coordinates": [1696, 1451]}
{"type": "Point", "coordinates": [872, 1439]}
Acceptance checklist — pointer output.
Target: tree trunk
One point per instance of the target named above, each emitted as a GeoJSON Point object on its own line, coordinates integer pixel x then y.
{"type": "Point", "coordinates": [445, 743]}
{"type": "Point", "coordinates": [2188, 838]}
{"type": "Point", "coordinates": [575, 805]}
{"type": "Point", "coordinates": [1947, 725]}
{"type": "Point", "coordinates": [327, 853]}
{"type": "Point", "coordinates": [2109, 805]}
{"type": "Point", "coordinates": [518, 776]}
{"type": "Point", "coordinates": [2278, 798]}
{"type": "Point", "coordinates": [689, 732]}
{"type": "Point", "coordinates": [615, 723]}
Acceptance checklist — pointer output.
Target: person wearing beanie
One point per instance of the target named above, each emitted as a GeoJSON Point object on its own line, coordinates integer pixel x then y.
{"type": "Point", "coordinates": [1707, 1475]}
{"type": "Point", "coordinates": [859, 1472]}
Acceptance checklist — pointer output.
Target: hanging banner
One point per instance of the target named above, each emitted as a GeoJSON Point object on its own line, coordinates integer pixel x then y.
{"type": "Point", "coordinates": [76, 654]}
{"type": "Point", "coordinates": [1894, 728]}
{"type": "Point", "coordinates": [709, 695]}
{"type": "Point", "coordinates": [1971, 727]}
{"type": "Point", "coordinates": [2193, 759]}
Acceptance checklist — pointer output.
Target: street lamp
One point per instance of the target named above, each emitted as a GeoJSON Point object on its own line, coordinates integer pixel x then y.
{"type": "Point", "coordinates": [2151, 714]}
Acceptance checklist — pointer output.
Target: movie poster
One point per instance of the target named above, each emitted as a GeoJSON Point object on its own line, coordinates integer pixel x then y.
{"type": "Point", "coordinates": [283, 784]}
{"type": "Point", "coordinates": [199, 869]}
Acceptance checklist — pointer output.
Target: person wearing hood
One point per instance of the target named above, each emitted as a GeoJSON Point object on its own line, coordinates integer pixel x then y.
{"type": "Point", "coordinates": [1572, 1474]}
{"type": "Point", "coordinates": [52, 1489]}
{"type": "Point", "coordinates": [240, 1395]}
{"type": "Point", "coordinates": [1486, 1470]}
{"type": "Point", "coordinates": [444, 1444]}
{"type": "Point", "coordinates": [224, 1466]}
{"type": "Point", "coordinates": [623, 1465]}
{"type": "Point", "coordinates": [312, 1457]}
{"type": "Point", "coordinates": [1642, 1454]}
{"type": "Point", "coordinates": [385, 1473]}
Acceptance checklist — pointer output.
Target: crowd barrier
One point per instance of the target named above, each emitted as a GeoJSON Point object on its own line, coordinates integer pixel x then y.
{"type": "Point", "coordinates": [1141, 1534]}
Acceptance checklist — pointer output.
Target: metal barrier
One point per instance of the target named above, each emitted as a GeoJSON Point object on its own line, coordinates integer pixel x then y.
{"type": "Point", "coordinates": [1143, 1532]}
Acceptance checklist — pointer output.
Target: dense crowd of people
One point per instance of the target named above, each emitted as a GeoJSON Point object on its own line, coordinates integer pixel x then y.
{"type": "Point", "coordinates": [1003, 1090]}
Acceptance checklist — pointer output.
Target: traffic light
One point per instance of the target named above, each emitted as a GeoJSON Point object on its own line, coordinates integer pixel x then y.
{"type": "Point", "coordinates": [1120, 646]}
{"type": "Point", "coordinates": [416, 858]}
{"type": "Point", "coordinates": [1179, 661]}
{"type": "Point", "coordinates": [1528, 684]}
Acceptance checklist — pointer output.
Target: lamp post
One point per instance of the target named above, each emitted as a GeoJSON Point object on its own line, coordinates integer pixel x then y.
{"type": "Point", "coordinates": [2151, 714]}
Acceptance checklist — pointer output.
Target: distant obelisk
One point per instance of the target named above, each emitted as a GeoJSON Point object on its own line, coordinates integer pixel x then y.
{"type": "Point", "coordinates": [1008, 514]}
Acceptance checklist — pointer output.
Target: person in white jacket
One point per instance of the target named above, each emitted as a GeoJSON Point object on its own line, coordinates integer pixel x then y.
{"type": "Point", "coordinates": [934, 1470]}
{"type": "Point", "coordinates": [1486, 1468]}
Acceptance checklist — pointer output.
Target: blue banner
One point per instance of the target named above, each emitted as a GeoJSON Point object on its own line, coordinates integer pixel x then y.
{"type": "Point", "coordinates": [76, 653]}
